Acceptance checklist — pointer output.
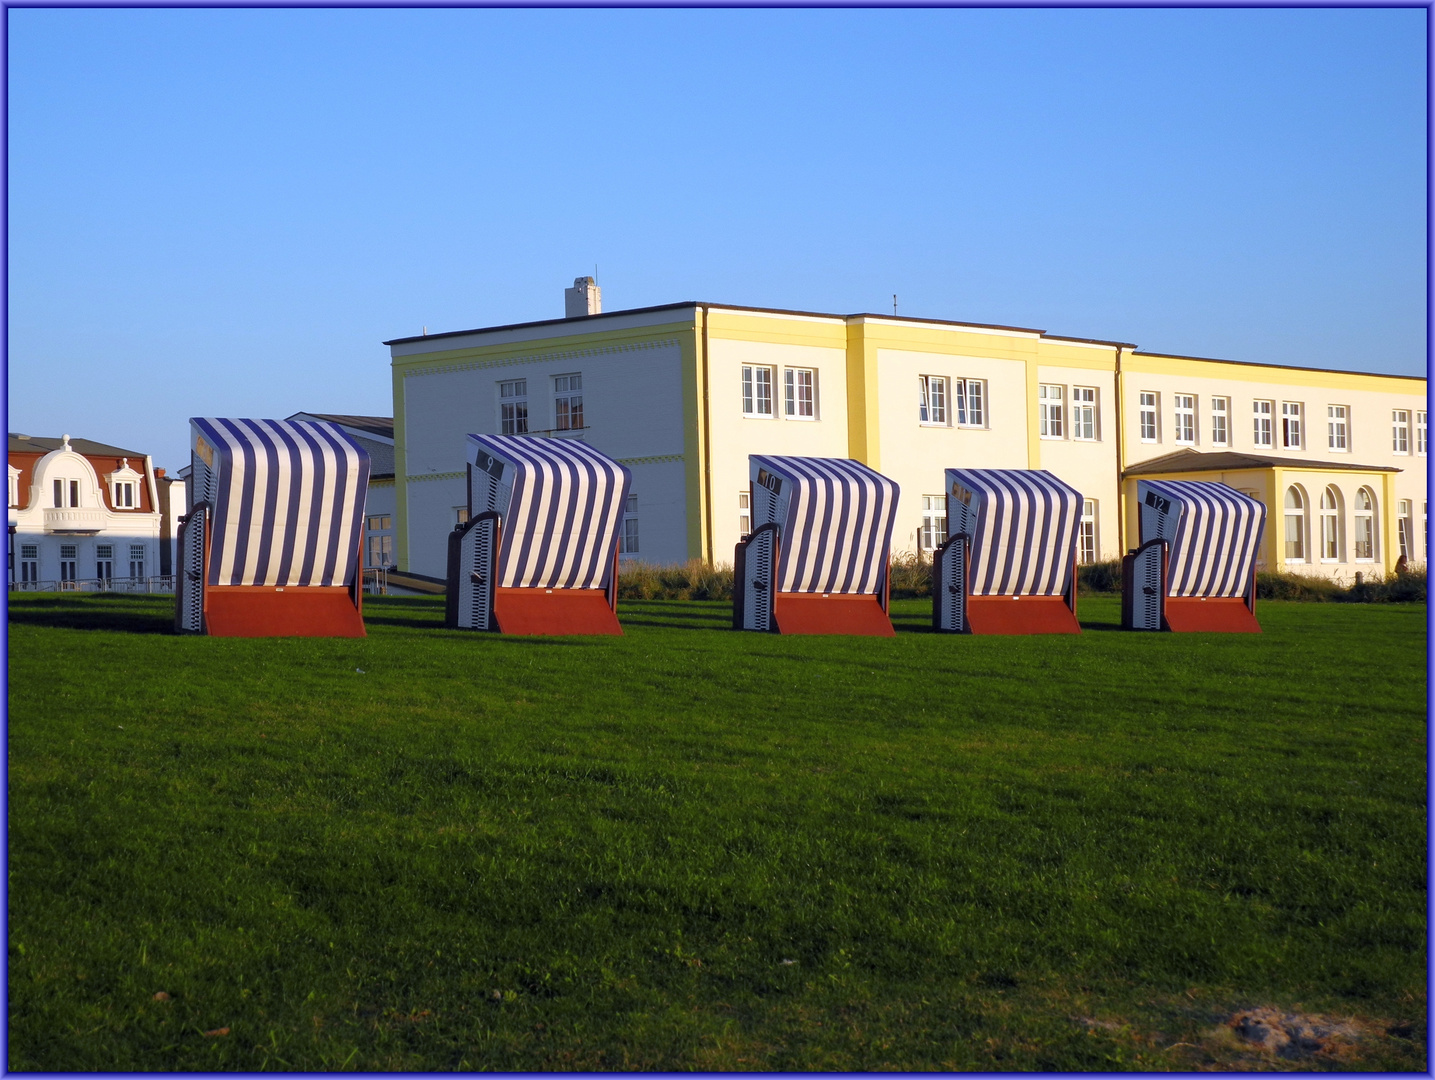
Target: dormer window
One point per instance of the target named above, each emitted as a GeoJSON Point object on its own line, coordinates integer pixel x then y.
{"type": "Point", "coordinates": [124, 486]}
{"type": "Point", "coordinates": [14, 486]}
{"type": "Point", "coordinates": [67, 489]}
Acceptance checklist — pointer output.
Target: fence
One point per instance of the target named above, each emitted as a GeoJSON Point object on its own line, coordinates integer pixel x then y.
{"type": "Point", "coordinates": [160, 584]}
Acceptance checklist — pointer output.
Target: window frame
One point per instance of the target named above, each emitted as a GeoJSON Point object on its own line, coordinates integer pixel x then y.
{"type": "Point", "coordinates": [1086, 412]}
{"type": "Point", "coordinates": [1298, 515]}
{"type": "Point", "coordinates": [750, 388]}
{"type": "Point", "coordinates": [1148, 415]}
{"type": "Point", "coordinates": [1051, 410]}
{"type": "Point", "coordinates": [1185, 433]}
{"type": "Point", "coordinates": [1400, 432]}
{"type": "Point", "coordinates": [1422, 430]}
{"type": "Point", "coordinates": [927, 405]}
{"type": "Point", "coordinates": [1268, 417]}
{"type": "Point", "coordinates": [933, 531]}
{"type": "Point", "coordinates": [792, 393]}
{"type": "Point", "coordinates": [517, 401]}
{"type": "Point", "coordinates": [137, 560]}
{"type": "Point", "coordinates": [1088, 547]}
{"type": "Point", "coordinates": [744, 514]}
{"type": "Point", "coordinates": [568, 402]}
{"type": "Point", "coordinates": [1330, 522]}
{"type": "Point", "coordinates": [1292, 425]}
{"type": "Point", "coordinates": [629, 542]}
{"type": "Point", "coordinates": [1363, 521]}
{"type": "Point", "coordinates": [1220, 412]}
{"type": "Point", "coordinates": [970, 408]}
{"type": "Point", "coordinates": [1337, 427]}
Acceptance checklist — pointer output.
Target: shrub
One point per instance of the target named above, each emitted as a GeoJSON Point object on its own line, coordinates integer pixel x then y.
{"type": "Point", "coordinates": [1099, 577]}
{"type": "Point", "coordinates": [911, 575]}
{"type": "Point", "coordinates": [692, 580]}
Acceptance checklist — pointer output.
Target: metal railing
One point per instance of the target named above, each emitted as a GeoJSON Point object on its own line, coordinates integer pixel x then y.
{"type": "Point", "coordinates": [159, 584]}
{"type": "Point", "coordinates": [376, 580]}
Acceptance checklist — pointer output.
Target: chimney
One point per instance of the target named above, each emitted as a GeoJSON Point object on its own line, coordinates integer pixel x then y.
{"type": "Point", "coordinates": [585, 298]}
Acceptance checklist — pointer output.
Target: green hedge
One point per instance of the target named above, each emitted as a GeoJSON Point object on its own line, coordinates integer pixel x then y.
{"type": "Point", "coordinates": [912, 580]}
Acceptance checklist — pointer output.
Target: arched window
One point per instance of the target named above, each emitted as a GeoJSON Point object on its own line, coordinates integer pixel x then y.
{"type": "Point", "coordinates": [1330, 525]}
{"type": "Point", "coordinates": [1295, 525]}
{"type": "Point", "coordinates": [1364, 525]}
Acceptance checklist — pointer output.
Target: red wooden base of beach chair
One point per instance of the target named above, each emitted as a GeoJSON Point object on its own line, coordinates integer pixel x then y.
{"type": "Point", "coordinates": [813, 613]}
{"type": "Point", "coordinates": [1228, 615]}
{"type": "Point", "coordinates": [294, 611]}
{"type": "Point", "coordinates": [1020, 615]}
{"type": "Point", "coordinates": [554, 611]}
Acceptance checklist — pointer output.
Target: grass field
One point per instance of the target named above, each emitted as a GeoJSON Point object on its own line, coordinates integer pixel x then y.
{"type": "Point", "coordinates": [694, 849]}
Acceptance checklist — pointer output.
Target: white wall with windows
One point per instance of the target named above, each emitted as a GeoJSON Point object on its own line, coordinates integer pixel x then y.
{"type": "Point", "coordinates": [78, 526]}
{"type": "Point", "coordinates": [766, 397]}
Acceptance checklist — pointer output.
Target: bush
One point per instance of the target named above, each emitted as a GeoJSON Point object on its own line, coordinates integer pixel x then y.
{"type": "Point", "coordinates": [692, 580]}
{"type": "Point", "coordinates": [1406, 586]}
{"type": "Point", "coordinates": [911, 576]}
{"type": "Point", "coordinates": [1099, 577]}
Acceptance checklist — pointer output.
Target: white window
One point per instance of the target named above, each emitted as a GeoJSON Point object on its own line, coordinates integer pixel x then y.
{"type": "Point", "coordinates": [1150, 407]}
{"type": "Point", "coordinates": [1086, 547]}
{"type": "Point", "coordinates": [1292, 416]}
{"type": "Point", "coordinates": [568, 403]}
{"type": "Point", "coordinates": [932, 406]}
{"type": "Point", "coordinates": [1400, 431]}
{"type": "Point", "coordinates": [14, 486]}
{"type": "Point", "coordinates": [1083, 413]}
{"type": "Point", "coordinates": [1405, 521]}
{"type": "Point", "coordinates": [1420, 426]}
{"type": "Point", "coordinates": [1295, 526]}
{"type": "Point", "coordinates": [1330, 525]}
{"type": "Point", "coordinates": [67, 562]}
{"type": "Point", "coordinates": [29, 563]}
{"type": "Point", "coordinates": [124, 495]}
{"type": "Point", "coordinates": [1220, 421]}
{"type": "Point", "coordinates": [1050, 400]}
{"type": "Point", "coordinates": [756, 391]}
{"type": "Point", "coordinates": [513, 407]}
{"type": "Point", "coordinates": [1364, 526]}
{"type": "Point", "coordinates": [1262, 413]}
{"type": "Point", "coordinates": [744, 514]}
{"type": "Point", "coordinates": [104, 561]}
{"type": "Point", "coordinates": [971, 402]}
{"type": "Point", "coordinates": [136, 560]}
{"type": "Point", "coordinates": [628, 540]}
{"type": "Point", "coordinates": [801, 393]}
{"type": "Point", "coordinates": [934, 522]}
{"type": "Point", "coordinates": [1185, 406]}
{"type": "Point", "coordinates": [380, 547]}
{"type": "Point", "coordinates": [460, 515]}
{"type": "Point", "coordinates": [1337, 427]}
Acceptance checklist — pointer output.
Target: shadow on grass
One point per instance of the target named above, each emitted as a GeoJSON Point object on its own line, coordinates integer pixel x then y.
{"type": "Point", "coordinates": [69, 615]}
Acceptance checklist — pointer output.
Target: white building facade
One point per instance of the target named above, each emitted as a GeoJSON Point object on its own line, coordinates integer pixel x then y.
{"type": "Point", "coordinates": [82, 515]}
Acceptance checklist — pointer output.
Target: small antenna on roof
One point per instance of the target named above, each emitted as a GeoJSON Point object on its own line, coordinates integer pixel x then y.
{"type": "Point", "coordinates": [894, 303]}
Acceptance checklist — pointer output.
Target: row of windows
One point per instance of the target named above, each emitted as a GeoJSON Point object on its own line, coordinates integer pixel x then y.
{"type": "Point", "coordinates": [799, 392]}
{"type": "Point", "coordinates": [1078, 419]}
{"type": "Point", "coordinates": [1291, 431]}
{"type": "Point", "coordinates": [567, 405]}
{"type": "Point", "coordinates": [66, 493]}
{"type": "Point", "coordinates": [1330, 534]}
{"type": "Point", "coordinates": [29, 562]}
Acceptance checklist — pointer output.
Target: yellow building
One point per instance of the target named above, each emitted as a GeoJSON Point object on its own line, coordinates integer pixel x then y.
{"type": "Point", "coordinates": [683, 393]}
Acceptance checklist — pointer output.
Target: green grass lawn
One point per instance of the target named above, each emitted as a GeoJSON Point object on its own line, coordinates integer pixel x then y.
{"type": "Point", "coordinates": [690, 848]}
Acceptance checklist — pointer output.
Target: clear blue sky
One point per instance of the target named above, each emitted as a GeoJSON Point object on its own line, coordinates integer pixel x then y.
{"type": "Point", "coordinates": [220, 212]}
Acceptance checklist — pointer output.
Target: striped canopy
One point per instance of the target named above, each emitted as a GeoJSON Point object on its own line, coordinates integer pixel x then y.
{"type": "Point", "coordinates": [287, 496]}
{"type": "Point", "coordinates": [1023, 528]}
{"type": "Point", "coordinates": [1214, 533]}
{"type": "Point", "coordinates": [561, 504]}
{"type": "Point", "coordinates": [836, 517]}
